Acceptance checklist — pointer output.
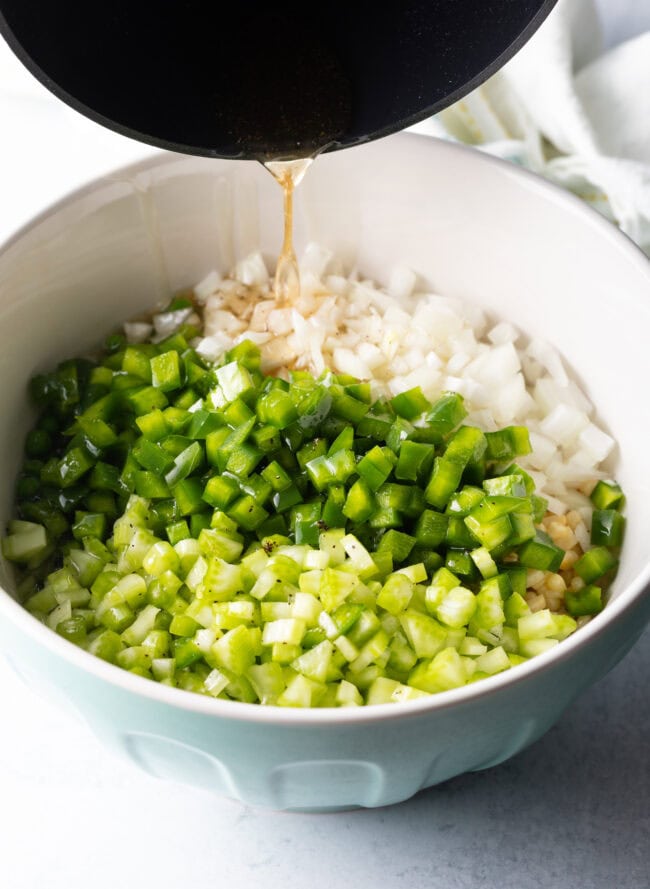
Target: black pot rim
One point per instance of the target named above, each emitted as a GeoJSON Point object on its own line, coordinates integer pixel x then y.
{"type": "Point", "coordinates": [202, 151]}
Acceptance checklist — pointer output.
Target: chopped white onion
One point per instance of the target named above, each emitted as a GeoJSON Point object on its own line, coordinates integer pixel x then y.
{"type": "Point", "coordinates": [252, 270]}
{"type": "Point", "coordinates": [402, 282]}
{"type": "Point", "coordinates": [137, 331]}
{"type": "Point", "coordinates": [503, 333]}
{"type": "Point", "coordinates": [596, 442]}
{"type": "Point", "coordinates": [167, 323]}
{"type": "Point", "coordinates": [209, 285]}
{"type": "Point", "coordinates": [549, 358]}
{"type": "Point", "coordinates": [563, 424]}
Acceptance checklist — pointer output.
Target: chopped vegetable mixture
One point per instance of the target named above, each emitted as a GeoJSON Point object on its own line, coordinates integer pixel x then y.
{"type": "Point", "coordinates": [295, 543]}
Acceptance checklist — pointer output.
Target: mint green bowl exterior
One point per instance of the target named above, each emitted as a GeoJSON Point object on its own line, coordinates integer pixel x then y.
{"type": "Point", "coordinates": [327, 763]}
{"type": "Point", "coordinates": [472, 227]}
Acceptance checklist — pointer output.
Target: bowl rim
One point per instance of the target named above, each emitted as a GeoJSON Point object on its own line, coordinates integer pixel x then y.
{"type": "Point", "coordinates": [613, 613]}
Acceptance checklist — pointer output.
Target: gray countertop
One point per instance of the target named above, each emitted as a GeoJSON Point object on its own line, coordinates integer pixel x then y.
{"type": "Point", "coordinates": [571, 812]}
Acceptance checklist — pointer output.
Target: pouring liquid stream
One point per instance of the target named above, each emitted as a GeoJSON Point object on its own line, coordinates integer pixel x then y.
{"type": "Point", "coordinates": [289, 174]}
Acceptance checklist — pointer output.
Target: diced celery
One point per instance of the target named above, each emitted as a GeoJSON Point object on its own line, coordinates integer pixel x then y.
{"type": "Point", "coordinates": [532, 647]}
{"type": "Point", "coordinates": [26, 544]}
{"type": "Point", "coordinates": [141, 626]}
{"type": "Point", "coordinates": [335, 587]}
{"type": "Point", "coordinates": [73, 629]}
{"type": "Point", "coordinates": [484, 562]}
{"type": "Point", "coordinates": [416, 573]}
{"type": "Point", "coordinates": [315, 663]}
{"type": "Point", "coordinates": [472, 647]}
{"type": "Point", "coordinates": [267, 681]}
{"type": "Point", "coordinates": [457, 607]}
{"type": "Point", "coordinates": [218, 544]}
{"type": "Point", "coordinates": [331, 542]}
{"type": "Point", "coordinates": [215, 682]}
{"type": "Point", "coordinates": [360, 559]}
{"type": "Point", "coordinates": [537, 625]}
{"type": "Point", "coordinates": [373, 650]}
{"type": "Point", "coordinates": [234, 651]}
{"type": "Point", "coordinates": [489, 611]}
{"type": "Point", "coordinates": [161, 557]}
{"type": "Point", "coordinates": [425, 635]}
{"type": "Point", "coordinates": [348, 695]}
{"type": "Point", "coordinates": [442, 672]}
{"type": "Point", "coordinates": [396, 593]}
{"type": "Point", "coordinates": [288, 630]}
{"type": "Point", "coordinates": [301, 692]}
{"type": "Point", "coordinates": [305, 606]}
{"type": "Point", "coordinates": [515, 607]}
{"type": "Point", "coordinates": [441, 583]}
{"type": "Point", "coordinates": [564, 626]}
{"type": "Point", "coordinates": [493, 661]}
{"type": "Point", "coordinates": [106, 645]}
{"type": "Point", "coordinates": [220, 581]}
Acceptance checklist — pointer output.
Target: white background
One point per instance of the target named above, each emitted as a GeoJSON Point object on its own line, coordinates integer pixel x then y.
{"type": "Point", "coordinates": [571, 811]}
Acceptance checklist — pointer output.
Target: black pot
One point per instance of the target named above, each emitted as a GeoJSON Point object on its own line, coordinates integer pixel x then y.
{"type": "Point", "coordinates": [251, 79]}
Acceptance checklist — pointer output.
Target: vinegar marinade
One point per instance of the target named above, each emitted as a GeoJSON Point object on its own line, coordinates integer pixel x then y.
{"type": "Point", "coordinates": [288, 174]}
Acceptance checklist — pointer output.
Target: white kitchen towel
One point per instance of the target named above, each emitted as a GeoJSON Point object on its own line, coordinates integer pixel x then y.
{"type": "Point", "coordinates": [570, 111]}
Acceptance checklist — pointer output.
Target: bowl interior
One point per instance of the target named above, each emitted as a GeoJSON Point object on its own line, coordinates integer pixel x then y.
{"type": "Point", "coordinates": [470, 226]}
